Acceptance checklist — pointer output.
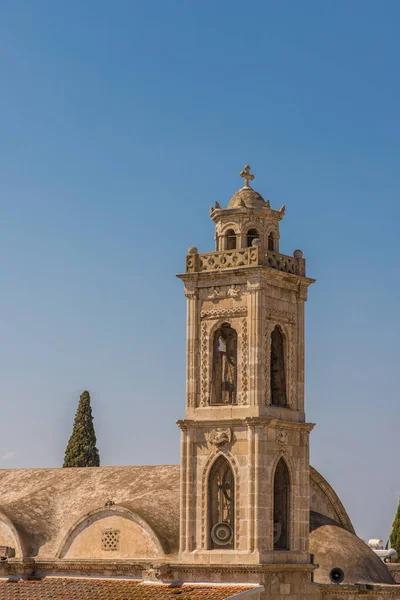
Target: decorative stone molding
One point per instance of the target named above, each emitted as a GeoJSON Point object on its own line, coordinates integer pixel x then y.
{"type": "Point", "coordinates": [204, 391]}
{"type": "Point", "coordinates": [242, 399]}
{"type": "Point", "coordinates": [227, 313]}
{"type": "Point", "coordinates": [219, 437]}
{"type": "Point", "coordinates": [280, 316]}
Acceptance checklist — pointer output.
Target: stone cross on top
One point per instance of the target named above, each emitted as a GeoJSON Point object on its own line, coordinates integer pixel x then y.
{"type": "Point", "coordinates": [247, 176]}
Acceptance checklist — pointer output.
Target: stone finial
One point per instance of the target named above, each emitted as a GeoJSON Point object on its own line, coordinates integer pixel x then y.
{"type": "Point", "coordinates": [192, 250]}
{"type": "Point", "coordinates": [246, 175]}
{"type": "Point", "coordinates": [256, 242]}
{"type": "Point", "coordinates": [298, 254]}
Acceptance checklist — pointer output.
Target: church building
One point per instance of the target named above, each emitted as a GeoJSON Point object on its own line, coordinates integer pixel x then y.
{"type": "Point", "coordinates": [244, 515]}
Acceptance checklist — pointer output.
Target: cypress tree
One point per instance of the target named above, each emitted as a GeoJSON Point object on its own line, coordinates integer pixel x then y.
{"type": "Point", "coordinates": [81, 449]}
{"type": "Point", "coordinates": [395, 535]}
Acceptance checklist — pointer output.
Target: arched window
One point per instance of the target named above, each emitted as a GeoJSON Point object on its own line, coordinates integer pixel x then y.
{"type": "Point", "coordinates": [230, 240]}
{"type": "Point", "coordinates": [252, 234]}
{"type": "Point", "coordinates": [271, 242]}
{"type": "Point", "coordinates": [224, 368]}
{"type": "Point", "coordinates": [281, 506]}
{"type": "Point", "coordinates": [278, 374]}
{"type": "Point", "coordinates": [221, 502]}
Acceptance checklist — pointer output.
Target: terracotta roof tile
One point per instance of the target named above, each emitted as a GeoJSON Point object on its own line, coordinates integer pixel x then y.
{"type": "Point", "coordinates": [63, 588]}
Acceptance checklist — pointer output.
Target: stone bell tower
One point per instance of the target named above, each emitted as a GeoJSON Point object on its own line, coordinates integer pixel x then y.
{"type": "Point", "coordinates": [244, 446]}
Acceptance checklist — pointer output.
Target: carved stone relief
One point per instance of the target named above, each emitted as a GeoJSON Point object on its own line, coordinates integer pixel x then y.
{"type": "Point", "coordinates": [281, 436]}
{"type": "Point", "coordinates": [225, 291]}
{"type": "Point", "coordinates": [219, 437]}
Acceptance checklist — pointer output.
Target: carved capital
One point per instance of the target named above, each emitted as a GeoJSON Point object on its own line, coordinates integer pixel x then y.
{"type": "Point", "coordinates": [303, 293]}
{"type": "Point", "coordinates": [253, 287]}
{"type": "Point", "coordinates": [191, 291]}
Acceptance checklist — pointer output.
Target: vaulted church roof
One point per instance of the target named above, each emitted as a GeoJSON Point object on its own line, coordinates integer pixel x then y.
{"type": "Point", "coordinates": [46, 505]}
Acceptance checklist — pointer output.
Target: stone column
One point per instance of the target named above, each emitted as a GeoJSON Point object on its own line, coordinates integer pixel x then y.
{"type": "Point", "coordinates": [255, 343]}
{"type": "Point", "coordinates": [182, 494]}
{"type": "Point", "coordinates": [192, 345]}
{"type": "Point", "coordinates": [302, 297]}
{"type": "Point", "coordinates": [190, 495]}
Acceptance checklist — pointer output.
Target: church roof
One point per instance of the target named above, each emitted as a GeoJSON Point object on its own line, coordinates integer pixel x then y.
{"type": "Point", "coordinates": [246, 197]}
{"type": "Point", "coordinates": [45, 505]}
{"type": "Point", "coordinates": [335, 547]}
{"type": "Point", "coordinates": [85, 588]}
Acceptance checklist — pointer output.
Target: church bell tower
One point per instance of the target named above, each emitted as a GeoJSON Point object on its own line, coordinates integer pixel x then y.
{"type": "Point", "coordinates": [244, 439]}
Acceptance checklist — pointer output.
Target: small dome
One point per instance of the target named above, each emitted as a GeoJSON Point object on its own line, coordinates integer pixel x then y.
{"type": "Point", "coordinates": [334, 547]}
{"type": "Point", "coordinates": [246, 197]}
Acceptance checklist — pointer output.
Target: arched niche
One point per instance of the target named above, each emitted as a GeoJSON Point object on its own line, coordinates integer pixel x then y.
{"type": "Point", "coordinates": [230, 240]}
{"type": "Point", "coordinates": [252, 234]}
{"type": "Point", "coordinates": [111, 533]}
{"type": "Point", "coordinates": [221, 505]}
{"type": "Point", "coordinates": [9, 536]}
{"type": "Point", "coordinates": [271, 242]}
{"type": "Point", "coordinates": [281, 506]}
{"type": "Point", "coordinates": [224, 365]}
{"type": "Point", "coordinates": [278, 368]}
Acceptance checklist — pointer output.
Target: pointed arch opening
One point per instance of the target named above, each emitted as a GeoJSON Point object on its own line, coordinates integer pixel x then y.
{"type": "Point", "coordinates": [278, 371]}
{"type": "Point", "coordinates": [221, 503]}
{"type": "Point", "coordinates": [281, 506]}
{"type": "Point", "coordinates": [252, 234]}
{"type": "Point", "coordinates": [271, 242]}
{"type": "Point", "coordinates": [230, 243]}
{"type": "Point", "coordinates": [224, 368]}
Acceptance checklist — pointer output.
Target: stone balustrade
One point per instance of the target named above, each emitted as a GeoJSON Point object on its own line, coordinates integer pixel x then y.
{"type": "Point", "coordinates": [288, 264]}
{"type": "Point", "coordinates": [227, 259]}
{"type": "Point", "coordinates": [246, 257]}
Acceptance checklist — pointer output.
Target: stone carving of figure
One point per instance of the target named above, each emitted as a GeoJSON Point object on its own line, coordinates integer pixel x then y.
{"type": "Point", "coordinates": [224, 366]}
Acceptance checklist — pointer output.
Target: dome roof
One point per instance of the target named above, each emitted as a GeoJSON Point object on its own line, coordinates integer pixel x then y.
{"type": "Point", "coordinates": [334, 546]}
{"type": "Point", "coordinates": [247, 197]}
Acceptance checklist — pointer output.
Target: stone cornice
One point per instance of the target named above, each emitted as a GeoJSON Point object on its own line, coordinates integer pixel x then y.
{"type": "Point", "coordinates": [202, 279]}
{"type": "Point", "coordinates": [263, 421]}
{"type": "Point", "coordinates": [266, 213]}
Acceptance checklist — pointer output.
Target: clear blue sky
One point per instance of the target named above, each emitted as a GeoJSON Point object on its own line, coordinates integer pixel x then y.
{"type": "Point", "coordinates": [121, 122]}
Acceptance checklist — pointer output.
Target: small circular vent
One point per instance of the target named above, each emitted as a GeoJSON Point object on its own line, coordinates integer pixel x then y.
{"type": "Point", "coordinates": [222, 534]}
